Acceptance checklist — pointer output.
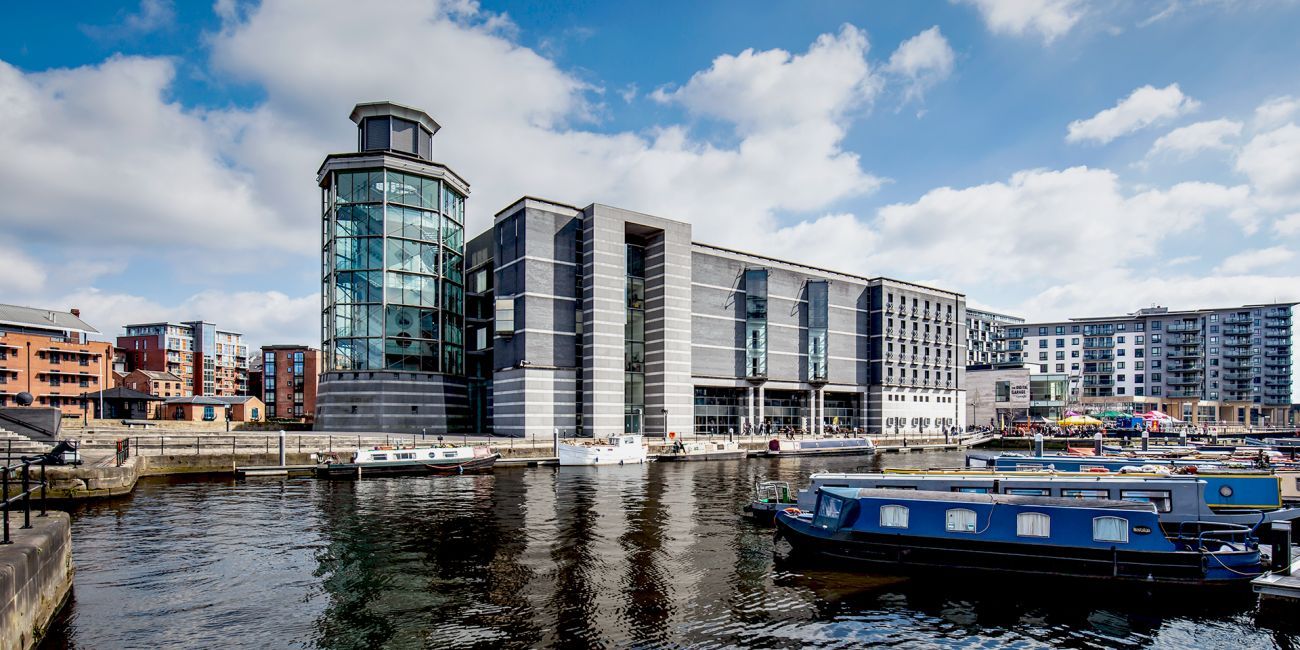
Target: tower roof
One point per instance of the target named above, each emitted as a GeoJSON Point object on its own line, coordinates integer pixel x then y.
{"type": "Point", "coordinates": [380, 109]}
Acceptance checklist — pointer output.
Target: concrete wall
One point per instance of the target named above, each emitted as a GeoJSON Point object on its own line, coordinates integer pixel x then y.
{"type": "Point", "coordinates": [36, 422]}
{"type": "Point", "coordinates": [35, 578]}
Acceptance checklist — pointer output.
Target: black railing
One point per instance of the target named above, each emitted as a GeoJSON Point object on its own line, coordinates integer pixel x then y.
{"type": "Point", "coordinates": [24, 465]}
{"type": "Point", "coordinates": [123, 451]}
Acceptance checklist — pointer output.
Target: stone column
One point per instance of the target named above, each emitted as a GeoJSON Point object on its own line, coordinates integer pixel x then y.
{"type": "Point", "coordinates": [762, 407]}
{"type": "Point", "coordinates": [749, 408]}
{"type": "Point", "coordinates": [821, 409]}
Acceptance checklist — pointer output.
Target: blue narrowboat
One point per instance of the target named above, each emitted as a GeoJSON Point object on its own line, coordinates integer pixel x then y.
{"type": "Point", "coordinates": [920, 531]}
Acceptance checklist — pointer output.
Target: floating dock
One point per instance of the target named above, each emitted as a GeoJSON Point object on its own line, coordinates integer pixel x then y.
{"type": "Point", "coordinates": [276, 470]}
{"type": "Point", "coordinates": [1277, 586]}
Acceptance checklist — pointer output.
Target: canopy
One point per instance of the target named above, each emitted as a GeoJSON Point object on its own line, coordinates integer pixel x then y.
{"type": "Point", "coordinates": [1078, 420]}
{"type": "Point", "coordinates": [1070, 414]}
{"type": "Point", "coordinates": [1112, 414]}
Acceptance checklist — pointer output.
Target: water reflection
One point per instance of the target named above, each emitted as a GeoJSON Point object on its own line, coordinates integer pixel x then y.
{"type": "Point", "coordinates": [645, 556]}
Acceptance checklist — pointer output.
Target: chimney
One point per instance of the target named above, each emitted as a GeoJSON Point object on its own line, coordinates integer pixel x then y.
{"type": "Point", "coordinates": [75, 312]}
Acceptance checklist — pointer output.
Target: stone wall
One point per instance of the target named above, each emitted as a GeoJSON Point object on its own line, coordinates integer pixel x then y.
{"type": "Point", "coordinates": [35, 578]}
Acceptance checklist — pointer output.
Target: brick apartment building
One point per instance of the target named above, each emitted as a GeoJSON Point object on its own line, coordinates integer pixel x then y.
{"type": "Point", "coordinates": [48, 354]}
{"type": "Point", "coordinates": [208, 361]}
{"type": "Point", "coordinates": [289, 376]}
{"type": "Point", "coordinates": [152, 382]}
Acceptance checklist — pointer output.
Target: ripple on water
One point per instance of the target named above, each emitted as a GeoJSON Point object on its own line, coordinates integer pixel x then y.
{"type": "Point", "coordinates": [652, 556]}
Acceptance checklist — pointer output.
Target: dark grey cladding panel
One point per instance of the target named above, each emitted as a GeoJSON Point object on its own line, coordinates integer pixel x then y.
{"type": "Point", "coordinates": [391, 402]}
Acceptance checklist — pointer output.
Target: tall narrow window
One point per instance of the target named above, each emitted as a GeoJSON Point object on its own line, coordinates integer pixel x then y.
{"type": "Point", "coordinates": [1033, 524]}
{"type": "Point", "coordinates": [892, 516]}
{"type": "Point", "coordinates": [756, 321]}
{"type": "Point", "coordinates": [634, 341]}
{"type": "Point", "coordinates": [818, 297]}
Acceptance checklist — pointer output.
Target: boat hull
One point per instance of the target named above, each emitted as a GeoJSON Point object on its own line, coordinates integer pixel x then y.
{"type": "Point", "coordinates": [735, 454]}
{"type": "Point", "coordinates": [920, 554]}
{"type": "Point", "coordinates": [574, 455]}
{"type": "Point", "coordinates": [407, 468]}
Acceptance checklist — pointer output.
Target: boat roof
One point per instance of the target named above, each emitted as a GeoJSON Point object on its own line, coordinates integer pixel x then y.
{"type": "Point", "coordinates": [904, 474]}
{"type": "Point", "coordinates": [993, 499]}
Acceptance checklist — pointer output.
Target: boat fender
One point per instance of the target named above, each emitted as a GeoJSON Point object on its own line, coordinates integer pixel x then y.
{"type": "Point", "coordinates": [793, 512]}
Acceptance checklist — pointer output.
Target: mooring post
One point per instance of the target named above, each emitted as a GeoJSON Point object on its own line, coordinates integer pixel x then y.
{"type": "Point", "coordinates": [1281, 542]}
{"type": "Point", "coordinates": [281, 447]}
{"type": "Point", "coordinates": [1096, 443]}
{"type": "Point", "coordinates": [1038, 445]}
{"type": "Point", "coordinates": [1146, 440]}
{"type": "Point", "coordinates": [555, 443]}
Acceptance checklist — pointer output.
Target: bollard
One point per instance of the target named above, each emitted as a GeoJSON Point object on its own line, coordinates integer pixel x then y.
{"type": "Point", "coordinates": [1146, 440]}
{"type": "Point", "coordinates": [1280, 539]}
{"type": "Point", "coordinates": [4, 476]}
{"type": "Point", "coordinates": [43, 489]}
{"type": "Point", "coordinates": [1038, 445]}
{"type": "Point", "coordinates": [281, 447]}
{"type": "Point", "coordinates": [1182, 437]}
{"type": "Point", "coordinates": [1096, 443]}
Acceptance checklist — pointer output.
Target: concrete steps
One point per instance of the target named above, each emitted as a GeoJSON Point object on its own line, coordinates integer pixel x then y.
{"type": "Point", "coordinates": [13, 445]}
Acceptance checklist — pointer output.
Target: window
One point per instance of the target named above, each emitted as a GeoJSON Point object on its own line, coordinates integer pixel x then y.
{"type": "Point", "coordinates": [961, 520]}
{"type": "Point", "coordinates": [1033, 524]}
{"type": "Point", "coordinates": [505, 316]}
{"type": "Point", "coordinates": [1085, 494]}
{"type": "Point", "coordinates": [1161, 498]}
{"type": "Point", "coordinates": [1110, 529]}
{"type": "Point", "coordinates": [1028, 492]}
{"type": "Point", "coordinates": [1042, 343]}
{"type": "Point", "coordinates": [892, 516]}
{"type": "Point", "coordinates": [379, 457]}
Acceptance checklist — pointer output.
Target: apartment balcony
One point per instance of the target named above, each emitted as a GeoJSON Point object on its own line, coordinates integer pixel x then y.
{"type": "Point", "coordinates": [1277, 322]}
{"type": "Point", "coordinates": [1277, 352]}
{"type": "Point", "coordinates": [1236, 396]}
{"type": "Point", "coordinates": [1236, 341]}
{"type": "Point", "coordinates": [1277, 362]}
{"type": "Point", "coordinates": [1184, 366]}
{"type": "Point", "coordinates": [1236, 365]}
{"type": "Point", "coordinates": [1099, 355]}
{"type": "Point", "coordinates": [1237, 319]}
{"type": "Point", "coordinates": [1184, 326]}
{"type": "Point", "coordinates": [1104, 342]}
{"type": "Point", "coordinates": [1098, 330]}
{"type": "Point", "coordinates": [1184, 394]}
{"type": "Point", "coordinates": [1098, 368]}
{"type": "Point", "coordinates": [1236, 330]}
{"type": "Point", "coordinates": [1277, 397]}
{"type": "Point", "coordinates": [1277, 312]}
{"type": "Point", "coordinates": [1236, 376]}
{"type": "Point", "coordinates": [1278, 382]}
{"type": "Point", "coordinates": [1186, 380]}
{"type": "Point", "coordinates": [1098, 392]}
{"type": "Point", "coordinates": [1098, 381]}
{"type": "Point", "coordinates": [1186, 352]}
{"type": "Point", "coordinates": [1236, 353]}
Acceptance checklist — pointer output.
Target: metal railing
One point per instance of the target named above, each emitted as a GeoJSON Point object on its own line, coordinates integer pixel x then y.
{"type": "Point", "coordinates": [123, 451]}
{"type": "Point", "coordinates": [25, 496]}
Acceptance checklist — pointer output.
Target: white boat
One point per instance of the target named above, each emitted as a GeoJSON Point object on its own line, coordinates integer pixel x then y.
{"type": "Point", "coordinates": [390, 460]}
{"type": "Point", "coordinates": [703, 450]}
{"type": "Point", "coordinates": [623, 449]}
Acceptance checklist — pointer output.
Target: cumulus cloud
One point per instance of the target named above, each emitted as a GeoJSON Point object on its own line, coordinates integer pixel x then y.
{"type": "Point", "coordinates": [1201, 136]}
{"type": "Point", "coordinates": [1288, 225]}
{"type": "Point", "coordinates": [1140, 289]}
{"type": "Point", "coordinates": [1049, 19]}
{"type": "Point", "coordinates": [263, 317]}
{"type": "Point", "coordinates": [1142, 108]}
{"type": "Point", "coordinates": [1251, 260]}
{"type": "Point", "coordinates": [1271, 160]}
{"type": "Point", "coordinates": [1276, 111]}
{"type": "Point", "coordinates": [923, 60]}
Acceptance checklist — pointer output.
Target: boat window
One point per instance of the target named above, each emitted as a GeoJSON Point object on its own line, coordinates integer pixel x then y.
{"type": "Point", "coordinates": [961, 520]}
{"type": "Point", "coordinates": [971, 490]}
{"type": "Point", "coordinates": [405, 456]}
{"type": "Point", "coordinates": [902, 487]}
{"type": "Point", "coordinates": [1090, 468]}
{"type": "Point", "coordinates": [379, 457]}
{"type": "Point", "coordinates": [448, 454]}
{"type": "Point", "coordinates": [1164, 502]}
{"type": "Point", "coordinates": [892, 516]}
{"type": "Point", "coordinates": [433, 454]}
{"type": "Point", "coordinates": [1028, 492]}
{"type": "Point", "coordinates": [830, 507]}
{"type": "Point", "coordinates": [1110, 529]}
{"type": "Point", "coordinates": [1085, 494]}
{"type": "Point", "coordinates": [828, 512]}
{"type": "Point", "coordinates": [1033, 524]}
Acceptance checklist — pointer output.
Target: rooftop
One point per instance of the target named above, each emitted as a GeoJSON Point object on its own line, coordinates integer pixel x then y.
{"type": "Point", "coordinates": [20, 316]}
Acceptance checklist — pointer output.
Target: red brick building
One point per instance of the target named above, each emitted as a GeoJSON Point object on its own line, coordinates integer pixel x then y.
{"type": "Point", "coordinates": [289, 376]}
{"type": "Point", "coordinates": [48, 354]}
{"type": "Point", "coordinates": [208, 360]}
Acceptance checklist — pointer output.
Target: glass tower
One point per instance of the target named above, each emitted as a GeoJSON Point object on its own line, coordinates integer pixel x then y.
{"type": "Point", "coordinates": [634, 342]}
{"type": "Point", "coordinates": [392, 253]}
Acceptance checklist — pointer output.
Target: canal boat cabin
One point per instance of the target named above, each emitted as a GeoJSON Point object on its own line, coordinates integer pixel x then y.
{"type": "Point", "coordinates": [623, 449]}
{"type": "Point", "coordinates": [922, 531]}
{"type": "Point", "coordinates": [394, 460]}
{"type": "Point", "coordinates": [777, 447]}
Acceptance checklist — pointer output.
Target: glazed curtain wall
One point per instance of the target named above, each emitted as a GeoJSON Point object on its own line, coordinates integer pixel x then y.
{"type": "Point", "coordinates": [392, 273]}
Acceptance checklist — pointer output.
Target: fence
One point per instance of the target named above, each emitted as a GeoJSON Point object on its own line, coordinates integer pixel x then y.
{"type": "Point", "coordinates": [25, 496]}
{"type": "Point", "coordinates": [123, 451]}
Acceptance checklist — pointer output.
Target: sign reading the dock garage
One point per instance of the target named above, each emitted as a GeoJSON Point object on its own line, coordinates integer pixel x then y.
{"type": "Point", "coordinates": [1019, 394]}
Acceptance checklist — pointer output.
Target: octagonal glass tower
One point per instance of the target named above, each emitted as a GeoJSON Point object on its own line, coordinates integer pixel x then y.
{"type": "Point", "coordinates": [392, 277]}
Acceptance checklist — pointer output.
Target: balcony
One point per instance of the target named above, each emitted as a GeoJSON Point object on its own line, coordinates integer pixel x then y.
{"type": "Point", "coordinates": [1271, 397]}
{"type": "Point", "coordinates": [1236, 341]}
{"type": "Point", "coordinates": [1236, 376]}
{"type": "Point", "coordinates": [1237, 319]}
{"type": "Point", "coordinates": [1277, 362]}
{"type": "Point", "coordinates": [1184, 366]}
{"type": "Point", "coordinates": [1278, 382]}
{"type": "Point", "coordinates": [1184, 326]}
{"type": "Point", "coordinates": [1185, 352]}
{"type": "Point", "coordinates": [1236, 365]}
{"type": "Point", "coordinates": [1099, 355]}
{"type": "Point", "coordinates": [1277, 312]}
{"type": "Point", "coordinates": [1184, 394]}
{"type": "Point", "coordinates": [1186, 380]}
{"type": "Point", "coordinates": [1098, 381]}
{"type": "Point", "coordinates": [1277, 352]}
{"type": "Point", "coordinates": [1236, 330]}
{"type": "Point", "coordinates": [1277, 322]}
{"type": "Point", "coordinates": [1103, 342]}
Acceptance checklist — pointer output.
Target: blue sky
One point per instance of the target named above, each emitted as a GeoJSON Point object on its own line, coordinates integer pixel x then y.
{"type": "Point", "coordinates": [163, 154]}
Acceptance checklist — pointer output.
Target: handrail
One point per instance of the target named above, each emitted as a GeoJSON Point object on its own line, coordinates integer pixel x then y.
{"type": "Point", "coordinates": [7, 501]}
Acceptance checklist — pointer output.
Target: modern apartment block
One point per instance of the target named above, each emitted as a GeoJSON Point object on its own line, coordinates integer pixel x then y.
{"type": "Point", "coordinates": [1231, 364]}
{"type": "Point", "coordinates": [985, 332]}
{"type": "Point", "coordinates": [608, 320]}
{"type": "Point", "coordinates": [208, 360]}
{"type": "Point", "coordinates": [289, 380]}
{"type": "Point", "coordinates": [48, 354]}
{"type": "Point", "coordinates": [392, 258]}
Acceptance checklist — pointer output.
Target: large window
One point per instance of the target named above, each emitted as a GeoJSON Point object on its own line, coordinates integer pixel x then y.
{"type": "Point", "coordinates": [818, 297]}
{"type": "Point", "coordinates": [756, 322]}
{"type": "Point", "coordinates": [960, 520]}
{"type": "Point", "coordinates": [1033, 524]}
{"type": "Point", "coordinates": [1110, 529]}
{"type": "Point", "coordinates": [893, 516]}
{"type": "Point", "coordinates": [634, 341]}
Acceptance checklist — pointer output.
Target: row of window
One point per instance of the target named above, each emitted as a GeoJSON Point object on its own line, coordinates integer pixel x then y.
{"type": "Point", "coordinates": [962, 520]}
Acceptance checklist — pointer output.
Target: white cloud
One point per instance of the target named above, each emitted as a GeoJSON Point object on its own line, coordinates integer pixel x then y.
{"type": "Point", "coordinates": [924, 60]}
{"type": "Point", "coordinates": [772, 89]}
{"type": "Point", "coordinates": [21, 273]}
{"type": "Point", "coordinates": [1271, 160]}
{"type": "Point", "coordinates": [1288, 225]}
{"type": "Point", "coordinates": [1049, 19]}
{"type": "Point", "coordinates": [1142, 108]}
{"type": "Point", "coordinates": [1090, 295]}
{"type": "Point", "coordinates": [1276, 111]}
{"type": "Point", "coordinates": [1187, 140]}
{"type": "Point", "coordinates": [1251, 260]}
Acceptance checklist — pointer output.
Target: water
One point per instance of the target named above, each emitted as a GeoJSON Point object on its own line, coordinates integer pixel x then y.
{"type": "Point", "coordinates": [647, 556]}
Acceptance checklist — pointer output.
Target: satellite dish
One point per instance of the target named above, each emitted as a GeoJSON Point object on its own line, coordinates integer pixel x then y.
{"type": "Point", "coordinates": [25, 399]}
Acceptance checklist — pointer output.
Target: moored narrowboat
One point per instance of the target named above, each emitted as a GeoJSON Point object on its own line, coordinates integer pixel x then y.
{"type": "Point", "coordinates": [779, 448]}
{"type": "Point", "coordinates": [923, 531]}
{"type": "Point", "coordinates": [394, 461]}
{"type": "Point", "coordinates": [697, 450]}
{"type": "Point", "coordinates": [770, 497]}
